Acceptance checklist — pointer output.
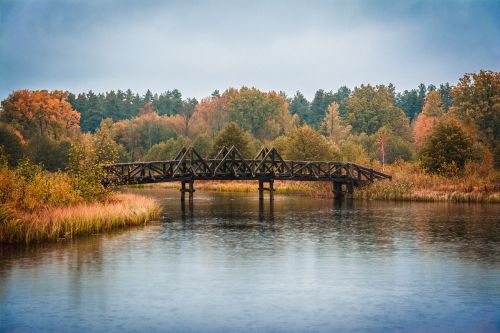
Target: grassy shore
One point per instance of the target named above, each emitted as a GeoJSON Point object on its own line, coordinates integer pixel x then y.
{"type": "Point", "coordinates": [409, 184]}
{"type": "Point", "coordinates": [412, 184]}
{"type": "Point", "coordinates": [53, 223]}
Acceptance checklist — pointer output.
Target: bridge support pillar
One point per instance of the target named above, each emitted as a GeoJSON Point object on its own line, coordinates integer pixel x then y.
{"type": "Point", "coordinates": [337, 191]}
{"type": "Point", "coordinates": [261, 189]}
{"type": "Point", "coordinates": [189, 190]}
{"type": "Point", "coordinates": [270, 189]}
{"type": "Point", "coordinates": [350, 191]}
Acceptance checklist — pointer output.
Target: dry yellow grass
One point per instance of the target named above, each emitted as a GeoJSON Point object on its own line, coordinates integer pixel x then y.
{"type": "Point", "coordinates": [81, 219]}
{"type": "Point", "coordinates": [319, 189]}
{"type": "Point", "coordinates": [409, 183]}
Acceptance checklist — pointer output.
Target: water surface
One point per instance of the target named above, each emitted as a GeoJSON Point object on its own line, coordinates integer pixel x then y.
{"type": "Point", "coordinates": [302, 264]}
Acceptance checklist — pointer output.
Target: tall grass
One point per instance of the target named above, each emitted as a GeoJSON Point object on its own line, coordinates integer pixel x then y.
{"type": "Point", "coordinates": [319, 189]}
{"type": "Point", "coordinates": [52, 223]}
{"type": "Point", "coordinates": [410, 183]}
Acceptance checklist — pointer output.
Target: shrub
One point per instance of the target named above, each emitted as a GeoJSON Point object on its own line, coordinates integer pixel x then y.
{"type": "Point", "coordinates": [85, 170]}
{"type": "Point", "coordinates": [447, 148]}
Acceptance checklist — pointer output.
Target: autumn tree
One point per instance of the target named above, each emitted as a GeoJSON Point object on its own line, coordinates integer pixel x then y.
{"type": "Point", "coordinates": [304, 143]}
{"type": "Point", "coordinates": [369, 108]}
{"type": "Point", "coordinates": [353, 152]}
{"type": "Point", "coordinates": [265, 115]}
{"type": "Point", "coordinates": [382, 137]}
{"type": "Point", "coordinates": [167, 150]}
{"type": "Point", "coordinates": [476, 99]}
{"type": "Point", "coordinates": [448, 147]}
{"type": "Point", "coordinates": [433, 106]}
{"type": "Point", "coordinates": [147, 108]}
{"type": "Point", "coordinates": [139, 134]}
{"type": "Point", "coordinates": [209, 117]}
{"type": "Point", "coordinates": [233, 135]}
{"type": "Point", "coordinates": [203, 143]}
{"type": "Point", "coordinates": [334, 126]}
{"type": "Point", "coordinates": [188, 108]}
{"type": "Point", "coordinates": [42, 113]}
{"type": "Point", "coordinates": [106, 149]}
{"type": "Point", "coordinates": [84, 169]}
{"type": "Point", "coordinates": [431, 112]}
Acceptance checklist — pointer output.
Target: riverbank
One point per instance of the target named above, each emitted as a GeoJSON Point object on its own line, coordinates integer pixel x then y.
{"type": "Point", "coordinates": [58, 223]}
{"type": "Point", "coordinates": [408, 184]}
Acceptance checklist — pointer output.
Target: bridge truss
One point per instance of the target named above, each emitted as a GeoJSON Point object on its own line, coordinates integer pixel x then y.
{"type": "Point", "coordinates": [229, 164]}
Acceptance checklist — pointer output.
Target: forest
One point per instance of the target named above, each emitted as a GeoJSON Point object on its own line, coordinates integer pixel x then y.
{"type": "Point", "coordinates": [440, 143]}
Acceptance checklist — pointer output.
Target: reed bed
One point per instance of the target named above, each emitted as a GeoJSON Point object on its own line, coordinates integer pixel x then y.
{"type": "Point", "coordinates": [409, 183]}
{"type": "Point", "coordinates": [54, 223]}
{"type": "Point", "coordinates": [315, 189]}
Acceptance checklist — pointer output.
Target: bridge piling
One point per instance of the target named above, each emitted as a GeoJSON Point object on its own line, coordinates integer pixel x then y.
{"type": "Point", "coordinates": [350, 190]}
{"type": "Point", "coordinates": [190, 189]}
{"type": "Point", "coordinates": [337, 191]}
{"type": "Point", "coordinates": [270, 189]}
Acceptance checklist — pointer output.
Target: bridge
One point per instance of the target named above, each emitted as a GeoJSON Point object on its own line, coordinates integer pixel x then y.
{"type": "Point", "coordinates": [229, 164]}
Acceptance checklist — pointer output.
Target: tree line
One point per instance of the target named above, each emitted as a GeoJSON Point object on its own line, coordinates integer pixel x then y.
{"type": "Point", "coordinates": [119, 105]}
{"type": "Point", "coordinates": [441, 128]}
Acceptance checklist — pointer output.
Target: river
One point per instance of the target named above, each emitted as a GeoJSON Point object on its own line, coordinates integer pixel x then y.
{"type": "Point", "coordinates": [300, 265]}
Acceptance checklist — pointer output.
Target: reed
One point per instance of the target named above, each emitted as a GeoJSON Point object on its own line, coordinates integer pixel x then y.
{"type": "Point", "coordinates": [318, 189]}
{"type": "Point", "coordinates": [53, 223]}
{"type": "Point", "coordinates": [410, 183]}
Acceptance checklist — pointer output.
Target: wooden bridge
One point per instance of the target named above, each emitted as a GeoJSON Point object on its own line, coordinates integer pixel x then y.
{"type": "Point", "coordinates": [266, 167]}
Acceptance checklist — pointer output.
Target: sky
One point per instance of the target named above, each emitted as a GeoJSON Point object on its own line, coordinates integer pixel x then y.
{"type": "Point", "coordinates": [200, 46]}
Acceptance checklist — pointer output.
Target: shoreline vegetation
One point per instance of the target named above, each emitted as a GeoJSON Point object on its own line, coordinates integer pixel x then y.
{"type": "Point", "coordinates": [83, 219]}
{"type": "Point", "coordinates": [409, 184]}
{"type": "Point", "coordinates": [37, 205]}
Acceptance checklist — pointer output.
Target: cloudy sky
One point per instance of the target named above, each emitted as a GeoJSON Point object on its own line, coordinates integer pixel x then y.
{"type": "Point", "coordinates": [200, 46]}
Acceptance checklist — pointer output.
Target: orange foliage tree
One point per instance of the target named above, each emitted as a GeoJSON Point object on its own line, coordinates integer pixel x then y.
{"type": "Point", "coordinates": [265, 115]}
{"type": "Point", "coordinates": [139, 134]}
{"type": "Point", "coordinates": [431, 113]}
{"type": "Point", "coordinates": [41, 112]}
{"type": "Point", "coordinates": [209, 117]}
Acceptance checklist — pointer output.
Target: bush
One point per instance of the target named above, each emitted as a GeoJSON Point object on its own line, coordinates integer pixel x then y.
{"type": "Point", "coordinates": [85, 170]}
{"type": "Point", "coordinates": [447, 148]}
{"type": "Point", "coordinates": [29, 187]}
